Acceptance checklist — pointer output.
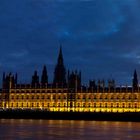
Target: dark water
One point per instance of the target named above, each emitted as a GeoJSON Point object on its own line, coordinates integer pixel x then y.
{"type": "Point", "coordinates": [68, 130]}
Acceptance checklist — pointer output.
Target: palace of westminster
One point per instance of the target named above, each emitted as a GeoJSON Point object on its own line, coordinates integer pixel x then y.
{"type": "Point", "coordinates": [66, 93]}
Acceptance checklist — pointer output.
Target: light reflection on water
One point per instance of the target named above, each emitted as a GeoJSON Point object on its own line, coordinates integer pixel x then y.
{"type": "Point", "coordinates": [68, 130]}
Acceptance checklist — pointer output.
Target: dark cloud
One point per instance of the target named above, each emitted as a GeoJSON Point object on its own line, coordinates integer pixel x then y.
{"type": "Point", "coordinates": [99, 37]}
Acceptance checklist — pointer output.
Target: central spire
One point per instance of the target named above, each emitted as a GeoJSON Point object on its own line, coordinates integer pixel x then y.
{"type": "Point", "coordinates": [60, 57]}
{"type": "Point", "coordinates": [60, 72]}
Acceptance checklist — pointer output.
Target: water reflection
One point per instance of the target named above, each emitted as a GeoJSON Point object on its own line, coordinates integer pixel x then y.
{"type": "Point", "coordinates": [66, 130]}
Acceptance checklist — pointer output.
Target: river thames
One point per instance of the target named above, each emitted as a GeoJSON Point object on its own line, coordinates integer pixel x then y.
{"type": "Point", "coordinates": [11, 129]}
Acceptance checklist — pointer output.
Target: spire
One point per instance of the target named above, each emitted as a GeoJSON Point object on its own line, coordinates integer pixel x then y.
{"type": "Point", "coordinates": [60, 57]}
{"type": "Point", "coordinates": [135, 80]}
{"type": "Point", "coordinates": [44, 77]}
{"type": "Point", "coordinates": [60, 72]}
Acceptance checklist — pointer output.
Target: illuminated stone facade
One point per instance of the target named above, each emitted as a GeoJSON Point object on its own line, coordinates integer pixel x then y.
{"type": "Point", "coordinates": [67, 94]}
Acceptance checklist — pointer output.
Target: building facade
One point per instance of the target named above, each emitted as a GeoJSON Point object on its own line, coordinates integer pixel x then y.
{"type": "Point", "coordinates": [66, 93]}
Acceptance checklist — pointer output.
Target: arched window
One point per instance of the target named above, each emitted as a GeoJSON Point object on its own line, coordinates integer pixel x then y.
{"type": "Point", "coordinates": [129, 105]}
{"type": "Point", "coordinates": [89, 104]}
{"type": "Point", "coordinates": [64, 104]}
{"type": "Point", "coordinates": [43, 97]}
{"type": "Point", "coordinates": [123, 105]}
{"type": "Point", "coordinates": [78, 104]}
{"type": "Point", "coordinates": [105, 104]}
{"type": "Point", "coordinates": [135, 105]}
{"type": "Point", "coordinates": [117, 105]}
{"type": "Point", "coordinates": [58, 104]}
{"type": "Point", "coordinates": [54, 96]}
{"type": "Point", "coordinates": [32, 96]}
{"type": "Point", "coordinates": [111, 104]}
{"type": "Point", "coordinates": [17, 97]}
{"type": "Point", "coordinates": [37, 97]}
{"type": "Point", "coordinates": [27, 97]}
{"type": "Point", "coordinates": [84, 105]}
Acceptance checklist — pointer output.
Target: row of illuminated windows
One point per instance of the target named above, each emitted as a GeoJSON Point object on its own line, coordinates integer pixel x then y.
{"type": "Point", "coordinates": [55, 96]}
{"type": "Point", "coordinates": [38, 105]}
{"type": "Point", "coordinates": [38, 91]}
{"type": "Point", "coordinates": [37, 97]}
{"type": "Point", "coordinates": [105, 105]}
{"type": "Point", "coordinates": [127, 97]}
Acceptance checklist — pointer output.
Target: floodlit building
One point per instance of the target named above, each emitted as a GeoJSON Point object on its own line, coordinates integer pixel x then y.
{"type": "Point", "coordinates": [66, 93]}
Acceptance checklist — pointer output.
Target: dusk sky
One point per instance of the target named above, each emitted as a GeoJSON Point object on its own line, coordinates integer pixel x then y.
{"type": "Point", "coordinates": [99, 37]}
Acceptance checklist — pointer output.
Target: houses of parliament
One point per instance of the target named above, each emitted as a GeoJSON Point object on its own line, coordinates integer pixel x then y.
{"type": "Point", "coordinates": [67, 94]}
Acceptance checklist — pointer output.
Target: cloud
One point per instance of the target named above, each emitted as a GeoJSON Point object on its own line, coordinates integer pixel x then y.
{"type": "Point", "coordinates": [100, 37]}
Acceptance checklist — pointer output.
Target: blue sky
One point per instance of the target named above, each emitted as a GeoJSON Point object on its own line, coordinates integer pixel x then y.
{"type": "Point", "coordinates": [99, 37]}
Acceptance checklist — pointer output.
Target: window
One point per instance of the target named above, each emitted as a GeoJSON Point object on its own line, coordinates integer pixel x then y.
{"type": "Point", "coordinates": [12, 97]}
{"type": "Point", "coordinates": [48, 97]}
{"type": "Point", "coordinates": [79, 97]}
{"type": "Point", "coordinates": [22, 97]}
{"type": "Point", "coordinates": [105, 104]}
{"type": "Point", "coordinates": [37, 97]}
{"type": "Point", "coordinates": [89, 105]}
{"type": "Point", "coordinates": [58, 104]}
{"type": "Point", "coordinates": [129, 105]}
{"type": "Point", "coordinates": [53, 96]}
{"type": "Point", "coordinates": [84, 105]}
{"type": "Point", "coordinates": [64, 104]}
{"type": "Point", "coordinates": [84, 97]}
{"type": "Point", "coordinates": [78, 104]}
{"type": "Point", "coordinates": [111, 104]}
{"type": "Point", "coordinates": [42, 96]}
{"type": "Point", "coordinates": [59, 97]}
{"type": "Point", "coordinates": [117, 105]}
{"type": "Point", "coordinates": [17, 97]}
{"type": "Point", "coordinates": [135, 105]}
{"type": "Point", "coordinates": [27, 97]}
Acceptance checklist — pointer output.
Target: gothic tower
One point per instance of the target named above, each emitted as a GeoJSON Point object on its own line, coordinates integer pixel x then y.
{"type": "Point", "coordinates": [60, 72]}
{"type": "Point", "coordinates": [74, 80]}
{"type": "Point", "coordinates": [44, 77]}
{"type": "Point", "coordinates": [135, 81]}
{"type": "Point", "coordinates": [35, 79]}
